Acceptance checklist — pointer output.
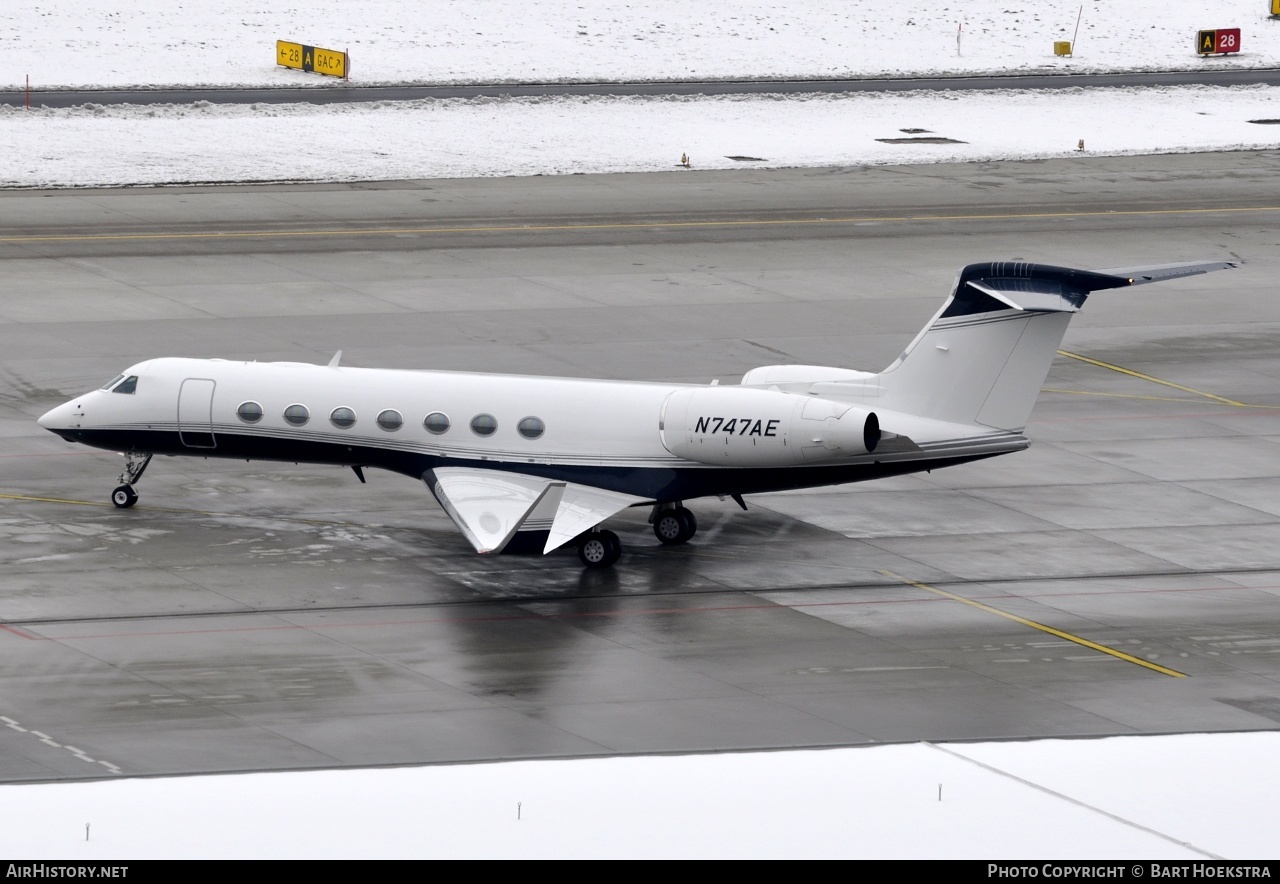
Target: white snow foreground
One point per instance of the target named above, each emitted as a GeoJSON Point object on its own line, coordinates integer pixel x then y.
{"type": "Point", "coordinates": [1194, 798]}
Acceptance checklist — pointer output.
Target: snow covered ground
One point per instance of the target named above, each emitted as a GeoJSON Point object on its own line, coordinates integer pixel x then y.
{"type": "Point", "coordinates": [153, 42]}
{"type": "Point", "coordinates": [1135, 798]}
{"type": "Point", "coordinates": [453, 138]}
{"type": "Point", "coordinates": [232, 42]}
{"type": "Point", "coordinates": [1191, 796]}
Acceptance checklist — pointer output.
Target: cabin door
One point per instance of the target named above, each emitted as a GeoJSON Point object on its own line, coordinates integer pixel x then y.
{"type": "Point", "coordinates": [195, 413]}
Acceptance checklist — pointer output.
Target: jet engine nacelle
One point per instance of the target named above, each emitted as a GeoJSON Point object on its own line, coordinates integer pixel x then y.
{"type": "Point", "coordinates": [743, 427]}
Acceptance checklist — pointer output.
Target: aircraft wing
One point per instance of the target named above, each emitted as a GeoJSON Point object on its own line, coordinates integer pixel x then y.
{"type": "Point", "coordinates": [1158, 272]}
{"type": "Point", "coordinates": [489, 506]}
{"type": "Point", "coordinates": [581, 509]}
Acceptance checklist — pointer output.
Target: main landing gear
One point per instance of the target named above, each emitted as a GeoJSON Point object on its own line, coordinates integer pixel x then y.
{"type": "Point", "coordinates": [599, 549]}
{"type": "Point", "coordinates": [135, 465]}
{"type": "Point", "coordinates": [673, 524]}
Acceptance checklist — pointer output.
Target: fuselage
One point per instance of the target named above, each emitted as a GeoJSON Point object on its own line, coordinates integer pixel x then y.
{"type": "Point", "coordinates": [604, 433]}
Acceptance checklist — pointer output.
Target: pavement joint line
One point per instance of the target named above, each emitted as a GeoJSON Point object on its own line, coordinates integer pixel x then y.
{"type": "Point", "coordinates": [335, 609]}
{"type": "Point", "coordinates": [27, 498]}
{"type": "Point", "coordinates": [532, 614]}
{"type": "Point", "coordinates": [1155, 380]}
{"type": "Point", "coordinates": [1076, 801]}
{"type": "Point", "coordinates": [1083, 642]}
{"type": "Point", "coordinates": [644, 225]}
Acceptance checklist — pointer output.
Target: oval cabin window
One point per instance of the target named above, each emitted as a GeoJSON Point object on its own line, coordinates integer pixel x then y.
{"type": "Point", "coordinates": [531, 427]}
{"type": "Point", "coordinates": [390, 420]}
{"type": "Point", "coordinates": [297, 415]}
{"type": "Point", "coordinates": [484, 424]}
{"type": "Point", "coordinates": [249, 412]}
{"type": "Point", "coordinates": [436, 423]}
{"type": "Point", "coordinates": [343, 418]}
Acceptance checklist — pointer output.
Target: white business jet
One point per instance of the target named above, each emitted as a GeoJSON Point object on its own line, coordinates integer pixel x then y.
{"type": "Point", "coordinates": [510, 453]}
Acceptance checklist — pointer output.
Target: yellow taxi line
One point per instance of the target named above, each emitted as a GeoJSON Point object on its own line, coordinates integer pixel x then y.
{"type": "Point", "coordinates": [1084, 642]}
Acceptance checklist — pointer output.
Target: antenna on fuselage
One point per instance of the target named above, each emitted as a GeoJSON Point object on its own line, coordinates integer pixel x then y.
{"type": "Point", "coordinates": [337, 357]}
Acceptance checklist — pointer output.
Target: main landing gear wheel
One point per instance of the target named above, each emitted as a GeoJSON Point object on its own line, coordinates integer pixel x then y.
{"type": "Point", "coordinates": [675, 526]}
{"type": "Point", "coordinates": [124, 496]}
{"type": "Point", "coordinates": [599, 549]}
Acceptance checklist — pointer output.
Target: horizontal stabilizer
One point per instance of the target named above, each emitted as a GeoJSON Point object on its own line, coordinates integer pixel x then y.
{"type": "Point", "coordinates": [1158, 272]}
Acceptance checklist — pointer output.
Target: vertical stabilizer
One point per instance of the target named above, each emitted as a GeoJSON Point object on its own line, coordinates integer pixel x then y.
{"type": "Point", "coordinates": [986, 353]}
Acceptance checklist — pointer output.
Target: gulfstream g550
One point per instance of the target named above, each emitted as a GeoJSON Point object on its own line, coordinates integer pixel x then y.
{"type": "Point", "coordinates": [510, 453]}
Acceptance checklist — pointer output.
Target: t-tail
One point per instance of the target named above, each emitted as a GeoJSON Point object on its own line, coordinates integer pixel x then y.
{"type": "Point", "coordinates": [984, 356]}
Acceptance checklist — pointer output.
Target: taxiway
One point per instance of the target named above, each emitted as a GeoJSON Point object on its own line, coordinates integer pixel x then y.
{"type": "Point", "coordinates": [1122, 576]}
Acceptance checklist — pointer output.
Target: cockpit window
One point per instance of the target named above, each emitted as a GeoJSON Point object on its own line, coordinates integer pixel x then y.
{"type": "Point", "coordinates": [111, 383]}
{"type": "Point", "coordinates": [128, 385]}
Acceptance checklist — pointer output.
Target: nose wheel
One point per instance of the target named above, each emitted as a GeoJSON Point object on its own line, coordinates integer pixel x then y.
{"type": "Point", "coordinates": [134, 466]}
{"type": "Point", "coordinates": [675, 525]}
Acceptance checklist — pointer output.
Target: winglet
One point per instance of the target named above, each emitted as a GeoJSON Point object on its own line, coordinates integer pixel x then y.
{"type": "Point", "coordinates": [337, 357]}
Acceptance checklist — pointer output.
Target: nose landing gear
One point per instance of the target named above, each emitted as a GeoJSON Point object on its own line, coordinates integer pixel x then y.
{"type": "Point", "coordinates": [135, 464]}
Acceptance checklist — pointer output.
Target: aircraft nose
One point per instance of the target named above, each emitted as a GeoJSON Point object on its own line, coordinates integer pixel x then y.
{"type": "Point", "coordinates": [58, 418]}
